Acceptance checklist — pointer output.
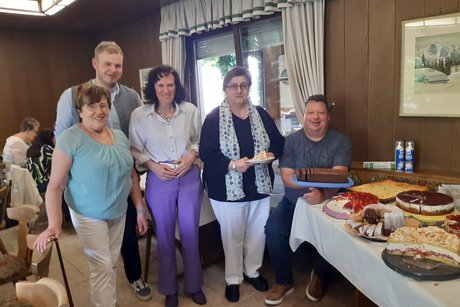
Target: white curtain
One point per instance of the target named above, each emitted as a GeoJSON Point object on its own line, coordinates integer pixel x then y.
{"type": "Point", "coordinates": [185, 17]}
{"type": "Point", "coordinates": [173, 54]}
{"type": "Point", "coordinates": [304, 51]}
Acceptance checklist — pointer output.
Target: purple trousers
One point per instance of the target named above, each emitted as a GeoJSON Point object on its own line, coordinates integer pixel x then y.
{"type": "Point", "coordinates": [167, 200]}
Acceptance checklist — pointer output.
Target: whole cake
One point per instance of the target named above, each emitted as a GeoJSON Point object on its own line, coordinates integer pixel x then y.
{"type": "Point", "coordinates": [425, 202]}
{"type": "Point", "coordinates": [428, 242]}
{"type": "Point", "coordinates": [321, 175]}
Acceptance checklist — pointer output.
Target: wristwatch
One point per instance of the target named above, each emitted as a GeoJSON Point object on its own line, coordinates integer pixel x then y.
{"type": "Point", "coordinates": [141, 211]}
{"type": "Point", "coordinates": [234, 166]}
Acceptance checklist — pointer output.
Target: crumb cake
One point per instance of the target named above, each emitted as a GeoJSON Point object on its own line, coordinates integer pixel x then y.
{"type": "Point", "coordinates": [425, 202]}
{"type": "Point", "coordinates": [428, 242]}
{"type": "Point", "coordinates": [386, 190]}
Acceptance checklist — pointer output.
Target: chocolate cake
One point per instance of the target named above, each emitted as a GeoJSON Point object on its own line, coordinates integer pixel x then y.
{"type": "Point", "coordinates": [321, 175]}
{"type": "Point", "coordinates": [425, 202]}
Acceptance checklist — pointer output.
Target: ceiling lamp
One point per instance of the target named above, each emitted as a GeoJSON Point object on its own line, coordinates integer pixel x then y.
{"type": "Point", "coordinates": [33, 7]}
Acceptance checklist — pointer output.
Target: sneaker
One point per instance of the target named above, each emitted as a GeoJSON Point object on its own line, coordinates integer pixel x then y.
{"type": "Point", "coordinates": [142, 290]}
{"type": "Point", "coordinates": [259, 283]}
{"type": "Point", "coordinates": [315, 287]}
{"type": "Point", "coordinates": [277, 294]}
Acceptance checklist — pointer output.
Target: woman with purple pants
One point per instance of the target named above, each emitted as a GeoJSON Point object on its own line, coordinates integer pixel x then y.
{"type": "Point", "coordinates": [164, 137]}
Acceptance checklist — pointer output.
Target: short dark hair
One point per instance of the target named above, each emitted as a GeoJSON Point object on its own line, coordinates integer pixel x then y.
{"type": "Point", "coordinates": [237, 71]}
{"type": "Point", "coordinates": [323, 99]}
{"type": "Point", "coordinates": [28, 123]}
{"type": "Point", "coordinates": [154, 76]}
{"type": "Point", "coordinates": [89, 93]}
{"type": "Point", "coordinates": [45, 137]}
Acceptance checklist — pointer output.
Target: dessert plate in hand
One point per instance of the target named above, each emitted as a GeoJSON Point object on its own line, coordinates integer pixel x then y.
{"type": "Point", "coordinates": [265, 161]}
{"type": "Point", "coordinates": [347, 184]}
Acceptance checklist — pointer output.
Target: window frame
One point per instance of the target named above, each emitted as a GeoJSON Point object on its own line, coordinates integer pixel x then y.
{"type": "Point", "coordinates": [191, 81]}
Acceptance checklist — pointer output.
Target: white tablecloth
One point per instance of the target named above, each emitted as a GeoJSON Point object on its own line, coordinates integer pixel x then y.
{"type": "Point", "coordinates": [360, 261]}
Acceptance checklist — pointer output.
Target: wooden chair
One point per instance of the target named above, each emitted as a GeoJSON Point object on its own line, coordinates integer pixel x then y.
{"type": "Point", "coordinates": [17, 267]}
{"type": "Point", "coordinates": [4, 201]}
{"type": "Point", "coordinates": [46, 292]}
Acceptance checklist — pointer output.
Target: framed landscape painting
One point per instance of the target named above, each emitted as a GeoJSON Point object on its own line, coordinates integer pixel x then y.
{"type": "Point", "coordinates": [430, 67]}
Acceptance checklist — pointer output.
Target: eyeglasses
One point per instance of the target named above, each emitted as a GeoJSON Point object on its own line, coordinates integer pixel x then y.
{"type": "Point", "coordinates": [103, 106]}
{"type": "Point", "coordinates": [234, 87]}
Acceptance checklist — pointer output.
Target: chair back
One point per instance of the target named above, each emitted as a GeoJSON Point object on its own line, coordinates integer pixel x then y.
{"type": "Point", "coordinates": [46, 292]}
{"type": "Point", "coordinates": [25, 215]}
{"type": "Point", "coordinates": [40, 265]}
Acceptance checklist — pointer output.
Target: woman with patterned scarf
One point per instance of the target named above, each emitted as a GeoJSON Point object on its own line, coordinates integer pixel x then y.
{"type": "Point", "coordinates": [239, 190]}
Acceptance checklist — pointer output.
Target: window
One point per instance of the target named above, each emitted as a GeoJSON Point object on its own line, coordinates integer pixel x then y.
{"type": "Point", "coordinates": [257, 45]}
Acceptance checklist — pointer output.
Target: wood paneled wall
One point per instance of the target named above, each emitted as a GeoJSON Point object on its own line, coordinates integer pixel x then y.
{"type": "Point", "coordinates": [362, 56]}
{"type": "Point", "coordinates": [35, 69]}
{"type": "Point", "coordinates": [141, 47]}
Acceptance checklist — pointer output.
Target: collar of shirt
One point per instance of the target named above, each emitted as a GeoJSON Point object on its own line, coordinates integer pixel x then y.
{"type": "Point", "coordinates": [113, 92]}
{"type": "Point", "coordinates": [151, 111]}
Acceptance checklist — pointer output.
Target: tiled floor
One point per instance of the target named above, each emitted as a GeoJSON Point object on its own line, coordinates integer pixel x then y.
{"type": "Point", "coordinates": [339, 292]}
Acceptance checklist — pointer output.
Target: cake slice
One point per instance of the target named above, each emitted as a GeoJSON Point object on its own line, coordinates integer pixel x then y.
{"type": "Point", "coordinates": [428, 242]}
{"type": "Point", "coordinates": [327, 175]}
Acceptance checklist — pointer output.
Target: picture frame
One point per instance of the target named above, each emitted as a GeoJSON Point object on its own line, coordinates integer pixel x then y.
{"type": "Point", "coordinates": [143, 78]}
{"type": "Point", "coordinates": [430, 67]}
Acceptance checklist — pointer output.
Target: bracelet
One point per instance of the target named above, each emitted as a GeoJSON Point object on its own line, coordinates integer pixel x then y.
{"type": "Point", "coordinates": [141, 211]}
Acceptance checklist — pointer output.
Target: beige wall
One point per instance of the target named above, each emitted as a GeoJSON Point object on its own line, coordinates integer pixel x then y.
{"type": "Point", "coordinates": [363, 43]}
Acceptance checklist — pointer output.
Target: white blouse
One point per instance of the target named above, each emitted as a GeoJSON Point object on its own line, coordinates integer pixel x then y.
{"type": "Point", "coordinates": [15, 151]}
{"type": "Point", "coordinates": [160, 140]}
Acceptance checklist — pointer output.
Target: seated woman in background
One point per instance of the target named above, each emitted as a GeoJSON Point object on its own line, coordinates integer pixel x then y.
{"type": "Point", "coordinates": [39, 157]}
{"type": "Point", "coordinates": [16, 145]}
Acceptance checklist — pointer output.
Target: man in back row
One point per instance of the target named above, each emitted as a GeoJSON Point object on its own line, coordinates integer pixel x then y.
{"type": "Point", "coordinates": [314, 146]}
{"type": "Point", "coordinates": [108, 65]}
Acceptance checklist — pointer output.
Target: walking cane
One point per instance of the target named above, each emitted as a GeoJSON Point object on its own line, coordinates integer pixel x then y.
{"type": "Point", "coordinates": [66, 283]}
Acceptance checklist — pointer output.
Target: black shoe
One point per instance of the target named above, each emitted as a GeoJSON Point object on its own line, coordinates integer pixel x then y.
{"type": "Point", "coordinates": [232, 293]}
{"type": "Point", "coordinates": [171, 300]}
{"type": "Point", "coordinates": [259, 283]}
{"type": "Point", "coordinates": [198, 297]}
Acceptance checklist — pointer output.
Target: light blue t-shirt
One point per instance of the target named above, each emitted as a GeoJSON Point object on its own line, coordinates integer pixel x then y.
{"type": "Point", "coordinates": [100, 176]}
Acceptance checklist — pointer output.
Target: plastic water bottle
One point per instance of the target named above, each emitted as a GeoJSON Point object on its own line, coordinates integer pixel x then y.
{"type": "Point", "coordinates": [409, 160]}
{"type": "Point", "coordinates": [399, 156]}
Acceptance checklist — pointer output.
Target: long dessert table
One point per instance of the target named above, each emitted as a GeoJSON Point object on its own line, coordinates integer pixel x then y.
{"type": "Point", "coordinates": [360, 261]}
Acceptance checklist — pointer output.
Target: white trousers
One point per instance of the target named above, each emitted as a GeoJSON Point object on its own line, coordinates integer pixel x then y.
{"type": "Point", "coordinates": [102, 243]}
{"type": "Point", "coordinates": [243, 236]}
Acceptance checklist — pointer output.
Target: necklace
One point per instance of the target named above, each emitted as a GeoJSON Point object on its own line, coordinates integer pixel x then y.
{"type": "Point", "coordinates": [166, 117]}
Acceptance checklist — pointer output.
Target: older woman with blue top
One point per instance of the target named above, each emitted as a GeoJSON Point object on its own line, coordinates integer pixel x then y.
{"type": "Point", "coordinates": [239, 189]}
{"type": "Point", "coordinates": [93, 167]}
{"type": "Point", "coordinates": [164, 135]}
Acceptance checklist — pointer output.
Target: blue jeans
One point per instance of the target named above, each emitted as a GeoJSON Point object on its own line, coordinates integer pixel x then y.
{"type": "Point", "coordinates": [278, 230]}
